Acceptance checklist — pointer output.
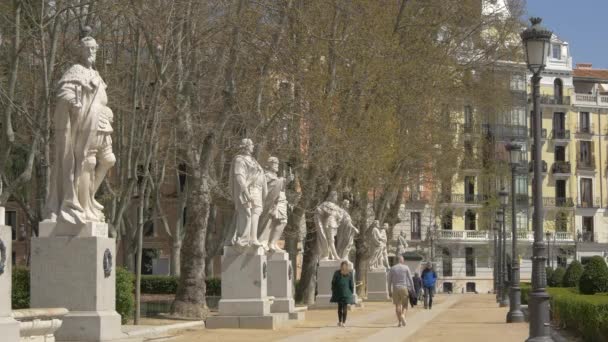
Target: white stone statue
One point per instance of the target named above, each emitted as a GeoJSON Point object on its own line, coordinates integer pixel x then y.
{"type": "Point", "coordinates": [346, 233]}
{"type": "Point", "coordinates": [328, 217]}
{"type": "Point", "coordinates": [274, 214]}
{"type": "Point", "coordinates": [401, 243]}
{"type": "Point", "coordinates": [83, 146]}
{"type": "Point", "coordinates": [248, 188]}
{"type": "Point", "coordinates": [378, 240]}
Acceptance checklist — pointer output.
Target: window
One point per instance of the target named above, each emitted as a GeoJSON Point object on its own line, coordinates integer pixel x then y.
{"type": "Point", "coordinates": [561, 222]}
{"type": "Point", "coordinates": [588, 229]}
{"type": "Point", "coordinates": [560, 190]}
{"type": "Point", "coordinates": [586, 194]}
{"type": "Point", "coordinates": [415, 222]}
{"type": "Point", "coordinates": [521, 189]}
{"type": "Point", "coordinates": [446, 221]}
{"type": "Point", "coordinates": [559, 124]}
{"type": "Point", "coordinates": [470, 261]}
{"type": "Point", "coordinates": [147, 262]}
{"type": "Point", "coordinates": [446, 262]}
{"type": "Point", "coordinates": [448, 287]}
{"type": "Point", "coordinates": [518, 82]}
{"type": "Point", "coordinates": [149, 228]}
{"type": "Point", "coordinates": [558, 92]}
{"type": "Point", "coordinates": [469, 189]}
{"type": "Point", "coordinates": [584, 125]}
{"type": "Point", "coordinates": [469, 220]}
{"type": "Point", "coordinates": [522, 222]}
{"type": "Point", "coordinates": [518, 116]}
{"type": "Point", "coordinates": [556, 51]}
{"type": "Point", "coordinates": [10, 219]}
{"type": "Point", "coordinates": [585, 153]}
{"type": "Point", "coordinates": [560, 153]}
{"type": "Point", "coordinates": [562, 261]}
{"type": "Point", "coordinates": [468, 118]}
{"type": "Point", "coordinates": [471, 287]}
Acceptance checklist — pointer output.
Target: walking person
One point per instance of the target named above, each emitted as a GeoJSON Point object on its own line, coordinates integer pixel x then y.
{"type": "Point", "coordinates": [400, 284]}
{"type": "Point", "coordinates": [418, 286]}
{"type": "Point", "coordinates": [429, 278]}
{"type": "Point", "coordinates": [342, 288]}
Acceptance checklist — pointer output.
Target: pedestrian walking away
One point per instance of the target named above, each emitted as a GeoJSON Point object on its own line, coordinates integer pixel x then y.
{"type": "Point", "coordinates": [342, 289]}
{"type": "Point", "coordinates": [400, 285]}
{"type": "Point", "coordinates": [418, 286]}
{"type": "Point", "coordinates": [429, 278]}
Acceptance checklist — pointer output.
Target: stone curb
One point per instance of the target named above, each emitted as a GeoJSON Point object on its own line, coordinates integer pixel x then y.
{"type": "Point", "coordinates": [154, 330]}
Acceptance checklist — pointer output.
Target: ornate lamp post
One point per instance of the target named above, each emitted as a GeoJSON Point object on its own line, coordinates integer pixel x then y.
{"type": "Point", "coordinates": [536, 41]}
{"type": "Point", "coordinates": [503, 195]}
{"type": "Point", "coordinates": [515, 315]}
{"type": "Point", "coordinates": [497, 255]}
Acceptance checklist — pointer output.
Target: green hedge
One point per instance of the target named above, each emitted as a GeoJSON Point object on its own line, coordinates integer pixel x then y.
{"type": "Point", "coordinates": [21, 288]}
{"type": "Point", "coordinates": [587, 315]}
{"type": "Point", "coordinates": [162, 284]}
{"type": "Point", "coordinates": [557, 277]}
{"type": "Point", "coordinates": [125, 299]}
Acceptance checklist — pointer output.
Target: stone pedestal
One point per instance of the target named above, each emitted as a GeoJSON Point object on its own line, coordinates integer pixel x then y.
{"type": "Point", "coordinates": [77, 273]}
{"type": "Point", "coordinates": [9, 327]}
{"type": "Point", "coordinates": [325, 274]}
{"type": "Point", "coordinates": [280, 285]}
{"type": "Point", "coordinates": [245, 302]}
{"type": "Point", "coordinates": [377, 285]}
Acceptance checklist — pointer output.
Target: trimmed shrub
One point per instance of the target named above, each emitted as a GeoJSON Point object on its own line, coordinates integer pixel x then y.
{"type": "Point", "coordinates": [556, 277]}
{"type": "Point", "coordinates": [586, 315]}
{"type": "Point", "coordinates": [158, 284]}
{"type": "Point", "coordinates": [573, 274]}
{"type": "Point", "coordinates": [525, 292]}
{"type": "Point", "coordinates": [549, 272]}
{"type": "Point", "coordinates": [595, 276]}
{"type": "Point", "coordinates": [21, 288]}
{"type": "Point", "coordinates": [125, 299]}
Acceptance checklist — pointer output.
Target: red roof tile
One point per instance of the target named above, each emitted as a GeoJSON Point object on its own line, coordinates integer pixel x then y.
{"type": "Point", "coordinates": [601, 74]}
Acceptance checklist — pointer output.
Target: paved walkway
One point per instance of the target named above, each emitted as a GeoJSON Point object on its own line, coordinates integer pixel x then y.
{"type": "Point", "coordinates": [454, 318]}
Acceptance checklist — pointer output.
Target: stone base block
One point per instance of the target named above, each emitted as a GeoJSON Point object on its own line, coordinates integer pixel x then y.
{"type": "Point", "coordinates": [282, 305]}
{"type": "Point", "coordinates": [377, 286]}
{"type": "Point", "coordinates": [325, 274]}
{"type": "Point", "coordinates": [244, 307]}
{"type": "Point", "coordinates": [9, 329]}
{"type": "Point", "coordinates": [299, 314]}
{"type": "Point", "coordinates": [89, 229]}
{"type": "Point", "coordinates": [88, 326]}
{"type": "Point", "coordinates": [269, 322]}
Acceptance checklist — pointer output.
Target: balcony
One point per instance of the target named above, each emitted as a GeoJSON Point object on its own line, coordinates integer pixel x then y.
{"type": "Point", "coordinates": [560, 136]}
{"type": "Point", "coordinates": [555, 100]}
{"type": "Point", "coordinates": [591, 100]}
{"type": "Point", "coordinates": [505, 132]}
{"type": "Point", "coordinates": [587, 129]}
{"type": "Point", "coordinates": [561, 169]}
{"type": "Point", "coordinates": [531, 166]}
{"type": "Point", "coordinates": [592, 203]}
{"type": "Point", "coordinates": [558, 202]}
{"type": "Point", "coordinates": [460, 235]}
{"type": "Point", "coordinates": [586, 164]}
{"type": "Point", "coordinates": [464, 199]}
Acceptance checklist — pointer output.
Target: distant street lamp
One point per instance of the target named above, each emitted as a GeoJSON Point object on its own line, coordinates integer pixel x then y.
{"type": "Point", "coordinates": [503, 196]}
{"type": "Point", "coordinates": [536, 41]}
{"type": "Point", "coordinates": [515, 314]}
{"type": "Point", "coordinates": [497, 255]}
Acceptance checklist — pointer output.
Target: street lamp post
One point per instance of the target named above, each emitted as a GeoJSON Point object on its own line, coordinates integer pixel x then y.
{"type": "Point", "coordinates": [503, 195]}
{"type": "Point", "coordinates": [536, 43]}
{"type": "Point", "coordinates": [515, 314]}
{"type": "Point", "coordinates": [497, 256]}
{"type": "Point", "coordinates": [549, 259]}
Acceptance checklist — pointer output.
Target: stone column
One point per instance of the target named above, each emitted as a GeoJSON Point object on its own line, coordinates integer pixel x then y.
{"type": "Point", "coordinates": [377, 285]}
{"type": "Point", "coordinates": [9, 327]}
{"type": "Point", "coordinates": [74, 267]}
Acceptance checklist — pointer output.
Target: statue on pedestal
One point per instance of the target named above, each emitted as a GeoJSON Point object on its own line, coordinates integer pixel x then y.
{"type": "Point", "coordinates": [249, 189]}
{"type": "Point", "coordinates": [83, 146]}
{"type": "Point", "coordinates": [378, 242]}
{"type": "Point", "coordinates": [346, 233]}
{"type": "Point", "coordinates": [401, 244]}
{"type": "Point", "coordinates": [274, 215]}
{"type": "Point", "coordinates": [328, 216]}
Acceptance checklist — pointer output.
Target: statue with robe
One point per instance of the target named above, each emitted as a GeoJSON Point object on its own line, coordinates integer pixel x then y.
{"type": "Point", "coordinates": [346, 233]}
{"type": "Point", "coordinates": [401, 244]}
{"type": "Point", "coordinates": [249, 190]}
{"type": "Point", "coordinates": [378, 240]}
{"type": "Point", "coordinates": [83, 144]}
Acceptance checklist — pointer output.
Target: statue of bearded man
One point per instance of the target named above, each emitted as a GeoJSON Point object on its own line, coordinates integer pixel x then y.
{"type": "Point", "coordinates": [274, 215]}
{"type": "Point", "coordinates": [83, 146]}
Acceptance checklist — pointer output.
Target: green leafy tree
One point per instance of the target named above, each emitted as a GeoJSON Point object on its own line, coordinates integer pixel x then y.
{"type": "Point", "coordinates": [573, 274]}
{"type": "Point", "coordinates": [595, 277]}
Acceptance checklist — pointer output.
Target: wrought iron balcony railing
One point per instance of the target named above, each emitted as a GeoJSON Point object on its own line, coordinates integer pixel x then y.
{"type": "Point", "coordinates": [562, 134]}
{"type": "Point", "coordinates": [531, 166]}
{"type": "Point", "coordinates": [561, 167]}
{"type": "Point", "coordinates": [555, 100]}
{"type": "Point", "coordinates": [588, 202]}
{"type": "Point", "coordinates": [585, 164]}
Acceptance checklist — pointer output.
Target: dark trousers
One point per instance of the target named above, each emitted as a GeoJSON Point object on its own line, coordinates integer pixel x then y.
{"type": "Point", "coordinates": [428, 296]}
{"type": "Point", "coordinates": [342, 310]}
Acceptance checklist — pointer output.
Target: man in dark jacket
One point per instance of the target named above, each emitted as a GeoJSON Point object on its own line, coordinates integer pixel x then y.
{"type": "Point", "coordinates": [429, 278]}
{"type": "Point", "coordinates": [417, 285]}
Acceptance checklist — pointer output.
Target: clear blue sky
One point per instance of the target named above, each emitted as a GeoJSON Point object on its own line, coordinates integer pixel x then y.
{"type": "Point", "coordinates": [582, 23]}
